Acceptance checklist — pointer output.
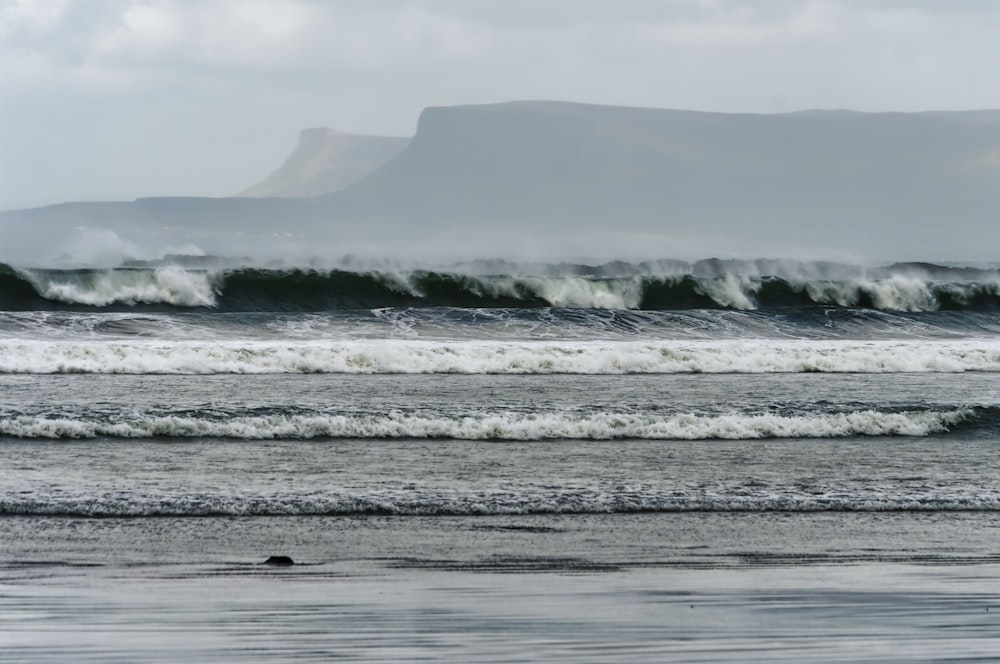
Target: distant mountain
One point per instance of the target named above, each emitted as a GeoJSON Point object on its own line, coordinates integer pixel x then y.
{"type": "Point", "coordinates": [326, 161]}
{"type": "Point", "coordinates": [548, 159]}
{"type": "Point", "coordinates": [564, 179]}
{"type": "Point", "coordinates": [838, 183]}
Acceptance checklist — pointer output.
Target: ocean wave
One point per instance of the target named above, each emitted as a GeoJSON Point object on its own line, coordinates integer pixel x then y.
{"type": "Point", "coordinates": [393, 356]}
{"type": "Point", "coordinates": [490, 426]}
{"type": "Point", "coordinates": [505, 500]}
{"type": "Point", "coordinates": [169, 285]}
{"type": "Point", "coordinates": [667, 285]}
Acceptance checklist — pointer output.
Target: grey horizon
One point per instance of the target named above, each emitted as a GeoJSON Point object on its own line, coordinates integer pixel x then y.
{"type": "Point", "coordinates": [542, 179]}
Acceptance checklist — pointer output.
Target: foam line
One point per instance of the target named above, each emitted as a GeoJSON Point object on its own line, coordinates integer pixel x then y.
{"type": "Point", "coordinates": [496, 426]}
{"type": "Point", "coordinates": [389, 356]}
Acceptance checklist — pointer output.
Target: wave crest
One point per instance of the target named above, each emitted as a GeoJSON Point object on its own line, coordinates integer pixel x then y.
{"type": "Point", "coordinates": [493, 426]}
{"type": "Point", "coordinates": [170, 284]}
{"type": "Point", "coordinates": [481, 357]}
{"type": "Point", "coordinates": [649, 286]}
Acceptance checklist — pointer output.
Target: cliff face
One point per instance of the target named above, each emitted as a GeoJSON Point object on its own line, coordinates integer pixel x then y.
{"type": "Point", "coordinates": [326, 161]}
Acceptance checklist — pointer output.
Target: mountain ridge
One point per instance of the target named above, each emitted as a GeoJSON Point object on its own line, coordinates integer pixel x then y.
{"type": "Point", "coordinates": [566, 177]}
{"type": "Point", "coordinates": [325, 161]}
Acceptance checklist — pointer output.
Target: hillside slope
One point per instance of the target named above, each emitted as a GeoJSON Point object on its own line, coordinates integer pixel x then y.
{"type": "Point", "coordinates": [561, 179]}
{"type": "Point", "coordinates": [326, 161]}
{"type": "Point", "coordinates": [538, 159]}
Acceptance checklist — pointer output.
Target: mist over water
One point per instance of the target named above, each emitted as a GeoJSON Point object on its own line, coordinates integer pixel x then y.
{"type": "Point", "coordinates": [554, 181]}
{"type": "Point", "coordinates": [545, 322]}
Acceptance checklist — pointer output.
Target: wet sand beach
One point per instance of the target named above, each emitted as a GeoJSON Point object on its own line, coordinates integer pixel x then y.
{"type": "Point", "coordinates": [591, 588]}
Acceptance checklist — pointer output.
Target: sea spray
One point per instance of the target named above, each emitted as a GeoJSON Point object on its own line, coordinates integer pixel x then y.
{"type": "Point", "coordinates": [395, 356]}
{"type": "Point", "coordinates": [619, 286]}
{"type": "Point", "coordinates": [526, 426]}
{"type": "Point", "coordinates": [100, 287]}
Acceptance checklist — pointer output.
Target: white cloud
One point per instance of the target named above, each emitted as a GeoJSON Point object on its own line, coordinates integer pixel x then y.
{"type": "Point", "coordinates": [139, 97]}
{"type": "Point", "coordinates": [251, 33]}
{"type": "Point", "coordinates": [29, 17]}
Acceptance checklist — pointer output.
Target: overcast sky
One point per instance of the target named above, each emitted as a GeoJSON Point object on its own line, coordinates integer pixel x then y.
{"type": "Point", "coordinates": [117, 99]}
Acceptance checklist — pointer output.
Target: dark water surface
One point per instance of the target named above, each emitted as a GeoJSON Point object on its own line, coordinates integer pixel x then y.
{"type": "Point", "coordinates": [666, 462]}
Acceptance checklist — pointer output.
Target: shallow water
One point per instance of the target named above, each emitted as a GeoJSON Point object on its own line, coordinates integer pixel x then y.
{"type": "Point", "coordinates": [657, 587]}
{"type": "Point", "coordinates": [463, 471]}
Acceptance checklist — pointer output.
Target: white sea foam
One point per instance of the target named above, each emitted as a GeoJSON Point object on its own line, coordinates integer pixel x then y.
{"type": "Point", "coordinates": [906, 290]}
{"type": "Point", "coordinates": [557, 291]}
{"type": "Point", "coordinates": [370, 356]}
{"type": "Point", "coordinates": [164, 285]}
{"type": "Point", "coordinates": [495, 426]}
{"type": "Point", "coordinates": [514, 498]}
{"type": "Point", "coordinates": [897, 293]}
{"type": "Point", "coordinates": [588, 293]}
{"type": "Point", "coordinates": [733, 291]}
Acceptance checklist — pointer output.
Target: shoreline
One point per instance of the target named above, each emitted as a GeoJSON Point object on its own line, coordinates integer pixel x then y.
{"type": "Point", "coordinates": [610, 541]}
{"type": "Point", "coordinates": [875, 612]}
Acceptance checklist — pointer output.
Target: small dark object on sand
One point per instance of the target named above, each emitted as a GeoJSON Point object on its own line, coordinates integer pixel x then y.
{"type": "Point", "coordinates": [279, 561]}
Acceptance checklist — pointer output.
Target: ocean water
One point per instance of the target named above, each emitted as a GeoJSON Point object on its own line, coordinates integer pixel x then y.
{"type": "Point", "coordinates": [704, 462]}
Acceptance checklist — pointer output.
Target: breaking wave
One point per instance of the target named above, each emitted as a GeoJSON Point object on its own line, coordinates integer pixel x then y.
{"type": "Point", "coordinates": [487, 426]}
{"type": "Point", "coordinates": [666, 285]}
{"type": "Point", "coordinates": [391, 356]}
{"type": "Point", "coordinates": [513, 498]}
{"type": "Point", "coordinates": [458, 503]}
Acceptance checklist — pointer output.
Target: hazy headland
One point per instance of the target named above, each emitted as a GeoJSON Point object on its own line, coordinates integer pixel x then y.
{"type": "Point", "coordinates": [542, 180]}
